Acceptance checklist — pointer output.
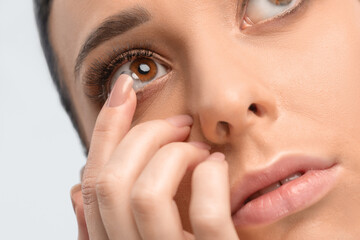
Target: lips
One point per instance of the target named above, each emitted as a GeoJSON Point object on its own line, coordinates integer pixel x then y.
{"type": "Point", "coordinates": [274, 186]}
{"type": "Point", "coordinates": [294, 182]}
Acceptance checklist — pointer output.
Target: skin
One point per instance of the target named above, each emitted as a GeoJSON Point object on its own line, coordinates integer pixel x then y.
{"type": "Point", "coordinates": [301, 72]}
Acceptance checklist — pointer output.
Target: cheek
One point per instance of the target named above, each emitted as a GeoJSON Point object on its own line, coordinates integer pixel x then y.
{"type": "Point", "coordinates": [166, 101]}
{"type": "Point", "coordinates": [326, 82]}
{"type": "Point", "coordinates": [320, 75]}
{"type": "Point", "coordinates": [322, 82]}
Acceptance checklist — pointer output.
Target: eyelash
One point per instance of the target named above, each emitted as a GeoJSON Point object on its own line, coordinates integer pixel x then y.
{"type": "Point", "coordinates": [97, 78]}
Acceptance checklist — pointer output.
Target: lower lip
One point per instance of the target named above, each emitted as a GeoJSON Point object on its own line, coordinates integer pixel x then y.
{"type": "Point", "coordinates": [287, 199]}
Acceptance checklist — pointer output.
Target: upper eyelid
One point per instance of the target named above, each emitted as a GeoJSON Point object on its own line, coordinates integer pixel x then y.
{"type": "Point", "coordinates": [97, 74]}
{"type": "Point", "coordinates": [128, 56]}
{"type": "Point", "coordinates": [241, 6]}
{"type": "Point", "coordinates": [113, 26]}
{"type": "Point", "coordinates": [115, 50]}
{"type": "Point", "coordinates": [93, 78]}
{"type": "Point", "coordinates": [111, 58]}
{"type": "Point", "coordinates": [103, 62]}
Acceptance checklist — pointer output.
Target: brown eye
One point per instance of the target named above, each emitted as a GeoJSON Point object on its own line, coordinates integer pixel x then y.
{"type": "Point", "coordinates": [143, 71]}
{"type": "Point", "coordinates": [144, 68]}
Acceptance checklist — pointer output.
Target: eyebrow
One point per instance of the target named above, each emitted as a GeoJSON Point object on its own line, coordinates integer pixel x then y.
{"type": "Point", "coordinates": [113, 26]}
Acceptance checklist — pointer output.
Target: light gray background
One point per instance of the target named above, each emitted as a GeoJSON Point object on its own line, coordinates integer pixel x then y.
{"type": "Point", "coordinates": [40, 154]}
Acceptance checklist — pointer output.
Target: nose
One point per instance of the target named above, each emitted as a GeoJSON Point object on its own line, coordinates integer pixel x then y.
{"type": "Point", "coordinates": [229, 96]}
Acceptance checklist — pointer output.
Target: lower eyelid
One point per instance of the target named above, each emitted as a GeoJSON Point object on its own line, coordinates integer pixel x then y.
{"type": "Point", "coordinates": [298, 6]}
{"type": "Point", "coordinates": [129, 72]}
{"type": "Point", "coordinates": [153, 88]}
{"type": "Point", "coordinates": [95, 82]}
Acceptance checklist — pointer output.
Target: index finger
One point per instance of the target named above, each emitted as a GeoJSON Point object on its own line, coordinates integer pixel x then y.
{"type": "Point", "coordinates": [113, 122]}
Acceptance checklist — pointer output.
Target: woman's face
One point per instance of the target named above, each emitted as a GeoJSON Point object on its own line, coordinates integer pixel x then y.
{"type": "Point", "coordinates": [289, 84]}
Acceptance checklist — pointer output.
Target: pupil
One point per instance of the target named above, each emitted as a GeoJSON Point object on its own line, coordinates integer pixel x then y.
{"type": "Point", "coordinates": [144, 69]}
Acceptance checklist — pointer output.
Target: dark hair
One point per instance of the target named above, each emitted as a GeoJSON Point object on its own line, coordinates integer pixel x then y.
{"type": "Point", "coordinates": [42, 12]}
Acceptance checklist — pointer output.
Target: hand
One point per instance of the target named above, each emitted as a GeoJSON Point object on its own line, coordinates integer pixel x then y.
{"type": "Point", "coordinates": [132, 175]}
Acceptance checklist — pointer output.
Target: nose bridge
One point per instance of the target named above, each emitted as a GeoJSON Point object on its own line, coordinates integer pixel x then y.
{"type": "Point", "coordinates": [227, 96]}
{"type": "Point", "coordinates": [219, 74]}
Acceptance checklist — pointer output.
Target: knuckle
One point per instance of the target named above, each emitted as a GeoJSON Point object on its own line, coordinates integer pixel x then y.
{"type": "Point", "coordinates": [207, 219]}
{"type": "Point", "coordinates": [144, 200]}
{"type": "Point", "coordinates": [105, 127]}
{"type": "Point", "coordinates": [143, 127]}
{"type": "Point", "coordinates": [150, 127]}
{"type": "Point", "coordinates": [108, 184]}
{"type": "Point", "coordinates": [207, 222]}
{"type": "Point", "coordinates": [177, 148]}
{"type": "Point", "coordinates": [102, 127]}
{"type": "Point", "coordinates": [88, 190]}
{"type": "Point", "coordinates": [148, 130]}
{"type": "Point", "coordinates": [103, 133]}
{"type": "Point", "coordinates": [104, 186]}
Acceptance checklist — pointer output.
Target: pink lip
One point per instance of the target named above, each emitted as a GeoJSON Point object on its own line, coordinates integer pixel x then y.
{"type": "Point", "coordinates": [318, 179]}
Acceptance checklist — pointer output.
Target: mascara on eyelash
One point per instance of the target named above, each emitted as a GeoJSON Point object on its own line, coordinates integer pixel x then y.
{"type": "Point", "coordinates": [97, 77]}
{"type": "Point", "coordinates": [142, 70]}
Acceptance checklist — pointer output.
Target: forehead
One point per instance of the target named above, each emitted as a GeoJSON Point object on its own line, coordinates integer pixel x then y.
{"type": "Point", "coordinates": [75, 20]}
{"type": "Point", "coordinates": [72, 21]}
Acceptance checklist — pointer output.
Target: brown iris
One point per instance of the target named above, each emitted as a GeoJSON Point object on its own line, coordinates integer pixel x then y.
{"type": "Point", "coordinates": [280, 2]}
{"type": "Point", "coordinates": [144, 68]}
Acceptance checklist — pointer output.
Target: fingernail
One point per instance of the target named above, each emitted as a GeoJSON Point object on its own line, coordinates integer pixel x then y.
{"type": "Point", "coordinates": [181, 120]}
{"type": "Point", "coordinates": [200, 145]}
{"type": "Point", "coordinates": [120, 91]}
{"type": "Point", "coordinates": [218, 157]}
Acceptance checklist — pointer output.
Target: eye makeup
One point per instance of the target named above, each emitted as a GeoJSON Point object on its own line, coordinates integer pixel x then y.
{"type": "Point", "coordinates": [142, 70]}
{"type": "Point", "coordinates": [99, 76]}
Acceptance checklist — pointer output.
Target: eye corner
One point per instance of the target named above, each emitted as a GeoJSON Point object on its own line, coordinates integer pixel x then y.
{"type": "Point", "coordinates": [100, 71]}
{"type": "Point", "coordinates": [248, 26]}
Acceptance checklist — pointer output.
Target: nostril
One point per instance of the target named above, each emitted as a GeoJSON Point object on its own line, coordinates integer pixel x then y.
{"type": "Point", "coordinates": [256, 109]}
{"type": "Point", "coordinates": [253, 108]}
{"type": "Point", "coordinates": [223, 128]}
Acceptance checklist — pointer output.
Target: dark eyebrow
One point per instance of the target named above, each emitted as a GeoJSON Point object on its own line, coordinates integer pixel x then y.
{"type": "Point", "coordinates": [110, 28]}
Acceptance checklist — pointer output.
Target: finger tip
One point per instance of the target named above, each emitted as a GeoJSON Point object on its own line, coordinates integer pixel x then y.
{"type": "Point", "coordinates": [217, 156]}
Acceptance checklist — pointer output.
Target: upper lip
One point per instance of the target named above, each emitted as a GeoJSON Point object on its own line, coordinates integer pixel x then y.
{"type": "Point", "coordinates": [283, 166]}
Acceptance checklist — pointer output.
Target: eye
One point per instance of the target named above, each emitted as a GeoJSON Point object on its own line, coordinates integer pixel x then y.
{"type": "Point", "coordinates": [143, 71]}
{"type": "Point", "coordinates": [257, 11]}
